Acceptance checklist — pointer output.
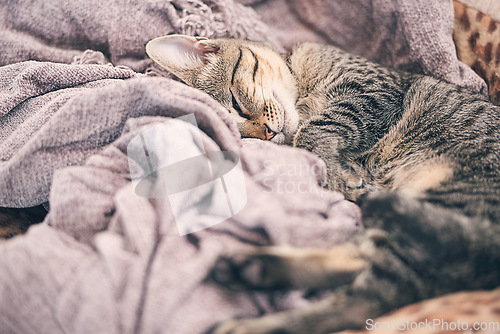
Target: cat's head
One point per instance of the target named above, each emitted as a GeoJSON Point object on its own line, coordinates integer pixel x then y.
{"type": "Point", "coordinates": [250, 79]}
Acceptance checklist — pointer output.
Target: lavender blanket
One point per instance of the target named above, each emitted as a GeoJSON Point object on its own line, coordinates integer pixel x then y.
{"type": "Point", "coordinates": [108, 259]}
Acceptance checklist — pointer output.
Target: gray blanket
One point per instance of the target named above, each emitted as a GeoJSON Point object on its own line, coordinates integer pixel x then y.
{"type": "Point", "coordinates": [108, 258]}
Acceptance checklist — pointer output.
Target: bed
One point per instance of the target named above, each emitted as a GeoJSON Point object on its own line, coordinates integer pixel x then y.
{"type": "Point", "coordinates": [76, 89]}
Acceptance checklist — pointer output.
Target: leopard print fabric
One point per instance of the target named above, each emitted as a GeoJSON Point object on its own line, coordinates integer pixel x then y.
{"type": "Point", "coordinates": [461, 312]}
{"type": "Point", "coordinates": [477, 39]}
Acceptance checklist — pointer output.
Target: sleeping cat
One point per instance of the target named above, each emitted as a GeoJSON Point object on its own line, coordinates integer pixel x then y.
{"type": "Point", "coordinates": [421, 156]}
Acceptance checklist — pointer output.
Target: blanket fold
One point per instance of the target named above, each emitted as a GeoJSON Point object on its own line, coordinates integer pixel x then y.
{"type": "Point", "coordinates": [56, 30]}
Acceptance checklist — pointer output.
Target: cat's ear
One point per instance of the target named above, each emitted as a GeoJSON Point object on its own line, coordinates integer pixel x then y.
{"type": "Point", "coordinates": [182, 55]}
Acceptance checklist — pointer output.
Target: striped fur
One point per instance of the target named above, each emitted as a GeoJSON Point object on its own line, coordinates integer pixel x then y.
{"type": "Point", "coordinates": [397, 131]}
{"type": "Point", "coordinates": [421, 156]}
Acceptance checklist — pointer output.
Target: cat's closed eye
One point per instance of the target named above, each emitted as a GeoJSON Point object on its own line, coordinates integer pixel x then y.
{"type": "Point", "coordinates": [237, 107]}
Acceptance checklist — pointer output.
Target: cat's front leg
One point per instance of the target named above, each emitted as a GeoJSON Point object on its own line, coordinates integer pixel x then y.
{"type": "Point", "coordinates": [346, 268]}
{"type": "Point", "coordinates": [286, 267]}
{"type": "Point", "coordinates": [344, 173]}
{"type": "Point", "coordinates": [412, 251]}
{"type": "Point", "coordinates": [341, 311]}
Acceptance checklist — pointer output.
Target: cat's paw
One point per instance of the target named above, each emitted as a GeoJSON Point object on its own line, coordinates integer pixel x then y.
{"type": "Point", "coordinates": [286, 267]}
{"type": "Point", "coordinates": [258, 270]}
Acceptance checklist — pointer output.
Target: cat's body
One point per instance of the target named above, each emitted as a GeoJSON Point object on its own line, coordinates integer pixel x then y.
{"type": "Point", "coordinates": [380, 129]}
{"type": "Point", "coordinates": [427, 150]}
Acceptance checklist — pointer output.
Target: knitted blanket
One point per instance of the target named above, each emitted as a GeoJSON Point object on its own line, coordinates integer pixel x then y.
{"type": "Point", "coordinates": [111, 257]}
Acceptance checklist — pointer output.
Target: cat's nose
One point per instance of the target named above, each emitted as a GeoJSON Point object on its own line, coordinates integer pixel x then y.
{"type": "Point", "coordinates": [269, 134]}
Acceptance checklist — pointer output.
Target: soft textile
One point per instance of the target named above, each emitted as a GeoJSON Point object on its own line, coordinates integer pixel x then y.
{"type": "Point", "coordinates": [107, 260]}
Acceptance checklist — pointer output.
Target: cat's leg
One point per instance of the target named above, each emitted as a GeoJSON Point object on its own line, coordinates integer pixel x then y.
{"type": "Point", "coordinates": [339, 148]}
{"type": "Point", "coordinates": [342, 310]}
{"type": "Point", "coordinates": [361, 293]}
{"type": "Point", "coordinates": [405, 236]}
{"type": "Point", "coordinates": [287, 267]}
{"type": "Point", "coordinates": [423, 251]}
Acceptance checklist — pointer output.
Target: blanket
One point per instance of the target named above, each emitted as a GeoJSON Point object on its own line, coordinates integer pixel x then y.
{"type": "Point", "coordinates": [77, 92]}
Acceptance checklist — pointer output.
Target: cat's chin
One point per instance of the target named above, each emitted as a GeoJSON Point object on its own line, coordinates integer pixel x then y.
{"type": "Point", "coordinates": [283, 139]}
{"type": "Point", "coordinates": [279, 138]}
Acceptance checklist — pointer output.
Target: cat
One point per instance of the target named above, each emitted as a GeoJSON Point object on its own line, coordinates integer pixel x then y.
{"type": "Point", "coordinates": [420, 156]}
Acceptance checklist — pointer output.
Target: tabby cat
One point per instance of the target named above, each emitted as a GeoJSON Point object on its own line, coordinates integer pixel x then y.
{"type": "Point", "coordinates": [421, 156]}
